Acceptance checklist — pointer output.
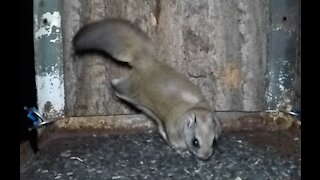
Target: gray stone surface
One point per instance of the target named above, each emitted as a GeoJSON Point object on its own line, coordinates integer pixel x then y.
{"type": "Point", "coordinates": [241, 155]}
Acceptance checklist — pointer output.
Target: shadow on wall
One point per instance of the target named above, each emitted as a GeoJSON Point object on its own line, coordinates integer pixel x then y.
{"type": "Point", "coordinates": [27, 74]}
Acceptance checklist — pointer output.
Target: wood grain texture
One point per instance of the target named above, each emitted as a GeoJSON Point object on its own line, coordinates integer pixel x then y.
{"type": "Point", "coordinates": [219, 45]}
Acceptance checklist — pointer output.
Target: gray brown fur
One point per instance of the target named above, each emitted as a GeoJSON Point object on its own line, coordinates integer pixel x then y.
{"type": "Point", "coordinates": [166, 96]}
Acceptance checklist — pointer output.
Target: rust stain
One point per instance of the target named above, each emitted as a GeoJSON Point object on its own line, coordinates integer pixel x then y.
{"type": "Point", "coordinates": [231, 76]}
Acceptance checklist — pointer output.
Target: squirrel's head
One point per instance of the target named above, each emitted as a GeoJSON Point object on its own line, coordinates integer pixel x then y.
{"type": "Point", "coordinates": [201, 131]}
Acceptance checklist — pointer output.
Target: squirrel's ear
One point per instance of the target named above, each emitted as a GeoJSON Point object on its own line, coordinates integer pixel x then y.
{"type": "Point", "coordinates": [191, 120]}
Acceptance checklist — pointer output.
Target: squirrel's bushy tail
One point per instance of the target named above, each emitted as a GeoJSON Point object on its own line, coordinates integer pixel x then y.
{"type": "Point", "coordinates": [118, 38]}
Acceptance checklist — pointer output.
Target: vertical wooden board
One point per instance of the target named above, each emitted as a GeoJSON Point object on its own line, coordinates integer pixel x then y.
{"type": "Point", "coordinates": [219, 45]}
{"type": "Point", "coordinates": [88, 77]}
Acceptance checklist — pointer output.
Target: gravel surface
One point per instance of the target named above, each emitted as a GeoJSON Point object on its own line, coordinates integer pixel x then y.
{"type": "Point", "coordinates": [239, 156]}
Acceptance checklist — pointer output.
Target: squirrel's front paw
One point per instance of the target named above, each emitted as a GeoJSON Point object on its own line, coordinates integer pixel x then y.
{"type": "Point", "coordinates": [183, 152]}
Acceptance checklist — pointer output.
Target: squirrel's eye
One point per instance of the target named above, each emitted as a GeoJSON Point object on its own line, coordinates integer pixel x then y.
{"type": "Point", "coordinates": [195, 142]}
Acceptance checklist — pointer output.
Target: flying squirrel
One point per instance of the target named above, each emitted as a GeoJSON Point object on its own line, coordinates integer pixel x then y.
{"type": "Point", "coordinates": [184, 117]}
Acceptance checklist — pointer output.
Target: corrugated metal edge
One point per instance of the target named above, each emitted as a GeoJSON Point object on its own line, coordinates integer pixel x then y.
{"type": "Point", "coordinates": [282, 56]}
{"type": "Point", "coordinates": [49, 58]}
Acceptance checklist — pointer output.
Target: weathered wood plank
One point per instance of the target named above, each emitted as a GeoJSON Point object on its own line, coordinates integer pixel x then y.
{"type": "Point", "coordinates": [219, 45]}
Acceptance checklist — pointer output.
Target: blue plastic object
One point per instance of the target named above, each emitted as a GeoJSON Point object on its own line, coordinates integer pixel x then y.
{"type": "Point", "coordinates": [33, 116]}
{"type": "Point", "coordinates": [37, 119]}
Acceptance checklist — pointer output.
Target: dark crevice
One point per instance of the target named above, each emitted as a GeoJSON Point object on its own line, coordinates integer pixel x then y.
{"type": "Point", "coordinates": [157, 10]}
{"type": "Point", "coordinates": [196, 76]}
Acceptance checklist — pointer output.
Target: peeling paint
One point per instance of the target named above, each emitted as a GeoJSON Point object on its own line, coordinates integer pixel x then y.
{"type": "Point", "coordinates": [282, 56]}
{"type": "Point", "coordinates": [281, 87]}
{"type": "Point", "coordinates": [51, 88]}
{"type": "Point", "coordinates": [48, 58]}
{"type": "Point", "coordinates": [48, 22]}
{"type": "Point", "coordinates": [54, 40]}
{"type": "Point", "coordinates": [277, 28]}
